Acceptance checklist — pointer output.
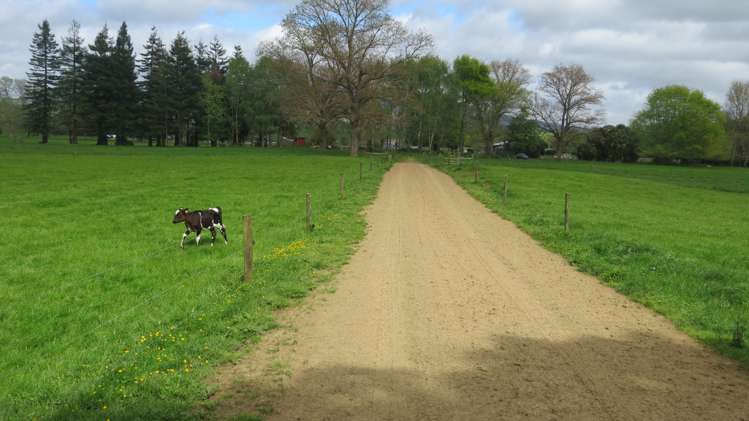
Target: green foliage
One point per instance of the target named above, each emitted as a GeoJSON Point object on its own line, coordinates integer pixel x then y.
{"type": "Point", "coordinates": [609, 143]}
{"type": "Point", "coordinates": [238, 91]}
{"type": "Point", "coordinates": [470, 80]}
{"type": "Point", "coordinates": [103, 315]}
{"type": "Point", "coordinates": [524, 136]}
{"type": "Point", "coordinates": [11, 117]}
{"type": "Point", "coordinates": [679, 123]}
{"type": "Point", "coordinates": [433, 115]}
{"type": "Point", "coordinates": [264, 98]}
{"type": "Point", "coordinates": [42, 79]}
{"type": "Point", "coordinates": [472, 77]}
{"type": "Point", "coordinates": [672, 238]}
{"type": "Point", "coordinates": [216, 118]}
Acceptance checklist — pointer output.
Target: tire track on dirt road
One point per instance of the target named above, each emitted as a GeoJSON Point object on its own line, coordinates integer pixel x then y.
{"type": "Point", "coordinates": [447, 311]}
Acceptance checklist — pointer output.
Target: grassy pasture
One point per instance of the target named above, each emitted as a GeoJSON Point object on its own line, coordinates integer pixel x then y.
{"type": "Point", "coordinates": [673, 238]}
{"type": "Point", "coordinates": [103, 316]}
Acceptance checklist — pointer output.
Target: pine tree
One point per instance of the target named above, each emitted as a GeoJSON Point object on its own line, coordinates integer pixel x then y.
{"type": "Point", "coordinates": [202, 59]}
{"type": "Point", "coordinates": [155, 102]}
{"type": "Point", "coordinates": [42, 80]}
{"type": "Point", "coordinates": [184, 88]}
{"type": "Point", "coordinates": [99, 87]}
{"type": "Point", "coordinates": [217, 57]}
{"type": "Point", "coordinates": [71, 80]}
{"type": "Point", "coordinates": [124, 87]}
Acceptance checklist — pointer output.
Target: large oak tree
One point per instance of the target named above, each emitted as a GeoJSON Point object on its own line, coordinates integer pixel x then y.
{"type": "Point", "coordinates": [360, 45]}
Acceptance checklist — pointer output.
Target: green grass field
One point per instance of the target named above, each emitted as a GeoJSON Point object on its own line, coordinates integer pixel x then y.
{"type": "Point", "coordinates": [673, 238]}
{"type": "Point", "coordinates": [103, 316]}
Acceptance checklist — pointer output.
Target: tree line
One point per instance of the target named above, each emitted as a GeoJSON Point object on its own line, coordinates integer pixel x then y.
{"type": "Point", "coordinates": [346, 72]}
{"type": "Point", "coordinates": [176, 93]}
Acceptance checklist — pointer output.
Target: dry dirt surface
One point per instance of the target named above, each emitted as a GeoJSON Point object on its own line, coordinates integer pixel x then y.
{"type": "Point", "coordinates": [448, 312]}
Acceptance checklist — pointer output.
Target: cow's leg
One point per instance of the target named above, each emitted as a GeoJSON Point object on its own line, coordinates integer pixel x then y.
{"type": "Point", "coordinates": [213, 236]}
{"type": "Point", "coordinates": [197, 239]}
{"type": "Point", "coordinates": [185, 235]}
{"type": "Point", "coordinates": [223, 232]}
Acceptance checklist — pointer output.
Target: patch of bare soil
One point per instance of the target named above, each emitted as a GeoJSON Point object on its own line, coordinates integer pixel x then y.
{"type": "Point", "coordinates": [449, 312]}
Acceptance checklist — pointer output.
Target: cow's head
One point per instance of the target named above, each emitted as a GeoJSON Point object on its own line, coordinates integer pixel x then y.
{"type": "Point", "coordinates": [179, 215]}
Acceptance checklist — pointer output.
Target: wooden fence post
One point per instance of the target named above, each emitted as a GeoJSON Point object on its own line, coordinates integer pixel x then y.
{"type": "Point", "coordinates": [248, 243]}
{"type": "Point", "coordinates": [310, 225]}
{"type": "Point", "coordinates": [342, 188]}
{"type": "Point", "coordinates": [360, 170]}
{"type": "Point", "coordinates": [566, 212]}
{"type": "Point", "coordinates": [505, 188]}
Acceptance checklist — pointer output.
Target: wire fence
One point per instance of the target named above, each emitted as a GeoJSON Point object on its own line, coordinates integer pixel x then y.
{"type": "Point", "coordinates": [322, 205]}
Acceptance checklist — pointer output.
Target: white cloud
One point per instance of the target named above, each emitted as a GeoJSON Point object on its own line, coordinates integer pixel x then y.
{"type": "Point", "coordinates": [629, 46]}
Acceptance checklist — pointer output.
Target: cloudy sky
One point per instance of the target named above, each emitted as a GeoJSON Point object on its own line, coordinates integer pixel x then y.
{"type": "Point", "coordinates": [629, 46]}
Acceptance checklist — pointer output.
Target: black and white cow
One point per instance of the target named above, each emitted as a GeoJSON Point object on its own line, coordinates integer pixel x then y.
{"type": "Point", "coordinates": [197, 221]}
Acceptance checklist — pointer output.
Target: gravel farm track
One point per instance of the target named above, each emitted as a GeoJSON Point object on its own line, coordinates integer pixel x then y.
{"type": "Point", "coordinates": [449, 312]}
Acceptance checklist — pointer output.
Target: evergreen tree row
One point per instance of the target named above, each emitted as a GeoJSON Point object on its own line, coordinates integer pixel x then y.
{"type": "Point", "coordinates": [176, 94]}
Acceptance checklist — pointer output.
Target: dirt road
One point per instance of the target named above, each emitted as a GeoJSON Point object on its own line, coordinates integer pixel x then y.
{"type": "Point", "coordinates": [448, 312]}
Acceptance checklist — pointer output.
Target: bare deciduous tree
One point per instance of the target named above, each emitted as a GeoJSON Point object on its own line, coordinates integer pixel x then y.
{"type": "Point", "coordinates": [359, 44]}
{"type": "Point", "coordinates": [564, 103]}
{"type": "Point", "coordinates": [737, 111]}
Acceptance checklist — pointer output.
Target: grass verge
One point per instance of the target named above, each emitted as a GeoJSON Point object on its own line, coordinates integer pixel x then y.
{"type": "Point", "coordinates": [673, 238]}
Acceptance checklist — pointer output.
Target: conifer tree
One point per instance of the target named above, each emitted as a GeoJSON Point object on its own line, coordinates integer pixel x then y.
{"type": "Point", "coordinates": [155, 110]}
{"type": "Point", "coordinates": [71, 80]}
{"type": "Point", "coordinates": [202, 58]}
{"type": "Point", "coordinates": [217, 57]}
{"type": "Point", "coordinates": [42, 79]}
{"type": "Point", "coordinates": [184, 89]}
{"type": "Point", "coordinates": [123, 84]}
{"type": "Point", "coordinates": [99, 86]}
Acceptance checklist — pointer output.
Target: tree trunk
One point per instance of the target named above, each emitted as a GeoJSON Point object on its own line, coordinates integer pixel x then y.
{"type": "Point", "coordinates": [462, 139]}
{"type": "Point", "coordinates": [236, 127]}
{"type": "Point", "coordinates": [418, 133]}
{"type": "Point", "coordinates": [45, 138]}
{"type": "Point", "coordinates": [322, 129]}
{"type": "Point", "coordinates": [208, 126]}
{"type": "Point", "coordinates": [355, 132]}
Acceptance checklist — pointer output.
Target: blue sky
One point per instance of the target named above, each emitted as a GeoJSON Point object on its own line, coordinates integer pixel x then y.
{"type": "Point", "coordinates": [629, 46]}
